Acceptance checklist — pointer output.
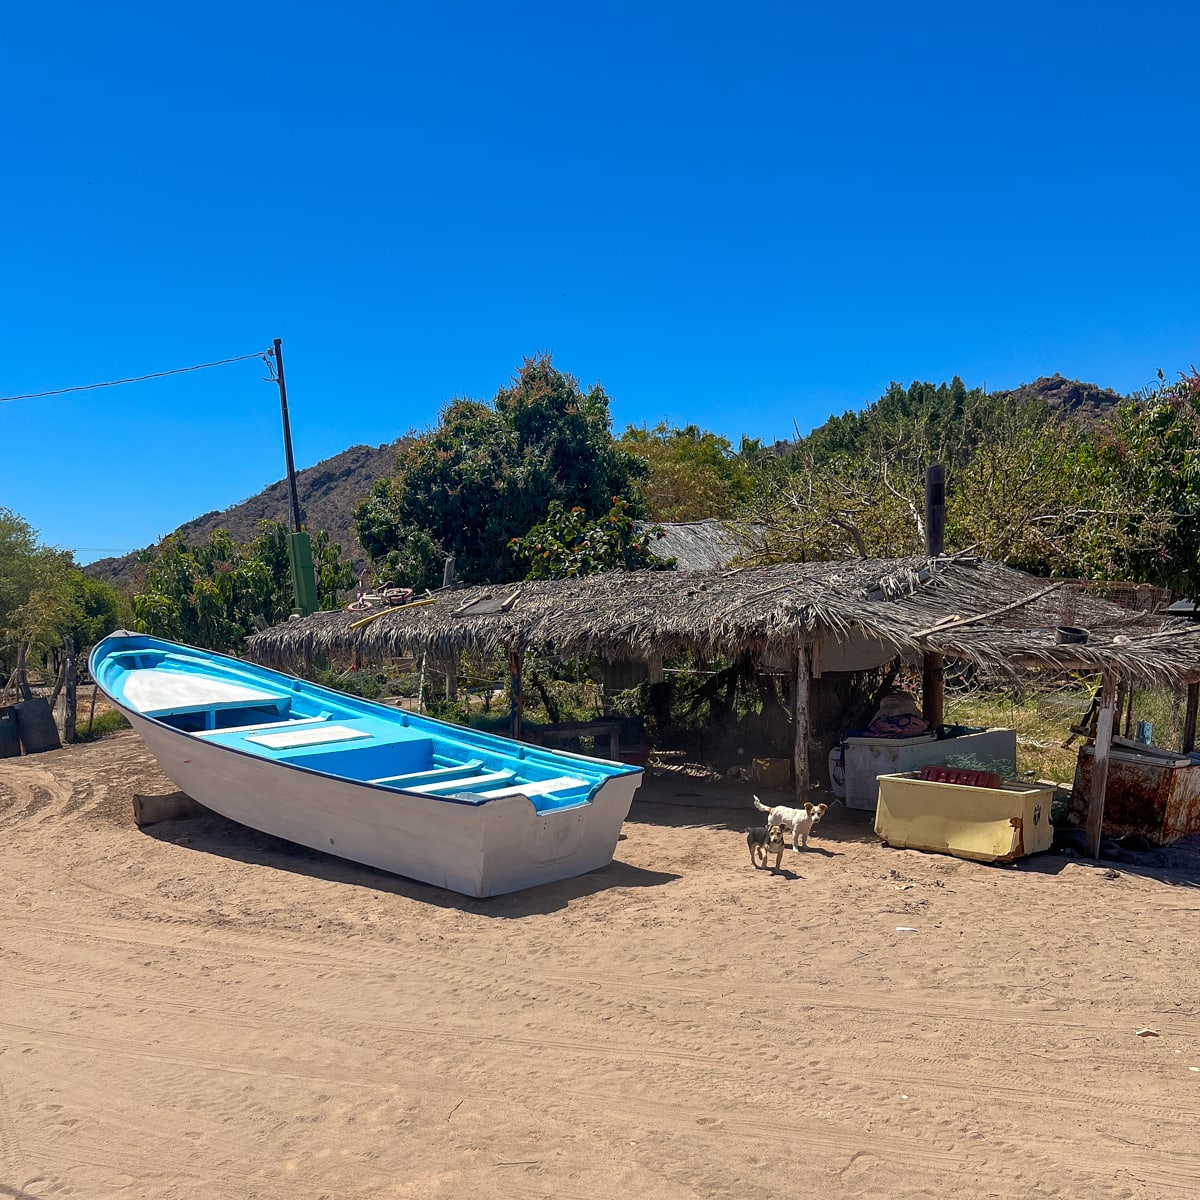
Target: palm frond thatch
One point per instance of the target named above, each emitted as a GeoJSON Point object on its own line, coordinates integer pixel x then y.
{"type": "Point", "coordinates": [1000, 619]}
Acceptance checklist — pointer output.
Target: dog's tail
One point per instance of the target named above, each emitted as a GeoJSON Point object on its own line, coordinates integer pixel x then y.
{"type": "Point", "coordinates": [761, 806]}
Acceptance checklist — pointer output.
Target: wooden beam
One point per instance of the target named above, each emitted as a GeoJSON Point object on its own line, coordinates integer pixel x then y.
{"type": "Point", "coordinates": [1189, 719]}
{"type": "Point", "coordinates": [1104, 731]}
{"type": "Point", "coordinates": [953, 624]}
{"type": "Point", "coordinates": [801, 719]}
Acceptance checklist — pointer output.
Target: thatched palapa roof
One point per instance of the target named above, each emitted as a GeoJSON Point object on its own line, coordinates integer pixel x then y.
{"type": "Point", "coordinates": [694, 545]}
{"type": "Point", "coordinates": [854, 614]}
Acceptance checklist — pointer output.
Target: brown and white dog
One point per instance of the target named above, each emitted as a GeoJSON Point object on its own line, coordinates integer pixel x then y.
{"type": "Point", "coordinates": [762, 839]}
{"type": "Point", "coordinates": [799, 821]}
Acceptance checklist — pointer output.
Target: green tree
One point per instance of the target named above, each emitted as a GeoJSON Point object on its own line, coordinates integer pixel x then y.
{"type": "Point", "coordinates": [99, 609]}
{"type": "Point", "coordinates": [1147, 461]}
{"type": "Point", "coordinates": [215, 594]}
{"type": "Point", "coordinates": [489, 472]}
{"type": "Point", "coordinates": [568, 544]}
{"type": "Point", "coordinates": [44, 596]}
{"type": "Point", "coordinates": [1020, 485]}
{"type": "Point", "coordinates": [19, 554]}
{"type": "Point", "coordinates": [692, 474]}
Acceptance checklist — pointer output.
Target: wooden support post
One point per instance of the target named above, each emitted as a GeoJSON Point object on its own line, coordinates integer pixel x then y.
{"type": "Point", "coordinates": [935, 510]}
{"type": "Point", "coordinates": [801, 720]}
{"type": "Point", "coordinates": [933, 681]}
{"type": "Point", "coordinates": [933, 689]}
{"type": "Point", "coordinates": [70, 698]}
{"type": "Point", "coordinates": [1189, 719]}
{"type": "Point", "coordinates": [515, 661]}
{"type": "Point", "coordinates": [1103, 746]}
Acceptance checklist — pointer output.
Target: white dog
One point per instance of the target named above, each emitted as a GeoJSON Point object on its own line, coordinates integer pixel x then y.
{"type": "Point", "coordinates": [799, 820]}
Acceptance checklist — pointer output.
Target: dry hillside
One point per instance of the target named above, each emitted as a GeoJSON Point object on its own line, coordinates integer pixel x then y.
{"type": "Point", "coordinates": [328, 493]}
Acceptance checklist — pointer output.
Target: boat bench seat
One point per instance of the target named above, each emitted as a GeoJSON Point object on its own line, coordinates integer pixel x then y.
{"type": "Point", "coordinates": [287, 724]}
{"type": "Point", "coordinates": [541, 787]}
{"type": "Point", "coordinates": [472, 783]}
{"type": "Point", "coordinates": [432, 774]}
{"type": "Point", "coordinates": [287, 739]}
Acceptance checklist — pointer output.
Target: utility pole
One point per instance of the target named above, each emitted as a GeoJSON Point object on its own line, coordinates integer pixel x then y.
{"type": "Point", "coordinates": [304, 576]}
{"type": "Point", "coordinates": [287, 435]}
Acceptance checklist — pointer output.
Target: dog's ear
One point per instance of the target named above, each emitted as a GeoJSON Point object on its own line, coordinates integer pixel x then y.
{"type": "Point", "coordinates": [808, 808]}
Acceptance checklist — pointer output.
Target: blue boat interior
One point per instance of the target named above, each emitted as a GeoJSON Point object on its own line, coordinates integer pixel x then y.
{"type": "Point", "coordinates": [255, 711]}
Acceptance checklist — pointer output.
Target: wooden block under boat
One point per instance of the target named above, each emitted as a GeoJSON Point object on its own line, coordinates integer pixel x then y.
{"type": "Point", "coordinates": [175, 806]}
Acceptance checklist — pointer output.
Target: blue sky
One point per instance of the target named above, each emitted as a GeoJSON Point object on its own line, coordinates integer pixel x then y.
{"type": "Point", "coordinates": [746, 216]}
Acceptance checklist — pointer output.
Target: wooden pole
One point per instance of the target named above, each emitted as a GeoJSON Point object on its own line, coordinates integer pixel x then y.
{"type": "Point", "coordinates": [935, 510]}
{"type": "Point", "coordinates": [1103, 746]}
{"type": "Point", "coordinates": [801, 720]}
{"type": "Point", "coordinates": [1189, 719]}
{"type": "Point", "coordinates": [287, 435]}
{"type": "Point", "coordinates": [515, 660]}
{"type": "Point", "coordinates": [933, 679]}
{"type": "Point", "coordinates": [70, 701]}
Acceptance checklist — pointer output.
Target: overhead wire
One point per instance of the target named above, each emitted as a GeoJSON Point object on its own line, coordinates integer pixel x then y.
{"type": "Point", "coordinates": [87, 387]}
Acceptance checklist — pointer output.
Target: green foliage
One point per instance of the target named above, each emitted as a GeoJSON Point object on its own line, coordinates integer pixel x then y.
{"type": "Point", "coordinates": [215, 594]}
{"type": "Point", "coordinates": [488, 473]}
{"type": "Point", "coordinates": [692, 474]}
{"type": "Point", "coordinates": [97, 609]}
{"type": "Point", "coordinates": [44, 596]}
{"type": "Point", "coordinates": [400, 553]}
{"type": "Point", "coordinates": [19, 553]}
{"type": "Point", "coordinates": [1151, 458]}
{"type": "Point", "coordinates": [568, 543]}
{"type": "Point", "coordinates": [1021, 484]}
{"type": "Point", "coordinates": [101, 726]}
{"type": "Point", "coordinates": [370, 684]}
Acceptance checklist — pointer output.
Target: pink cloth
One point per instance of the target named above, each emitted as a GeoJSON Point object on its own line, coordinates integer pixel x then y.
{"type": "Point", "coordinates": [901, 725]}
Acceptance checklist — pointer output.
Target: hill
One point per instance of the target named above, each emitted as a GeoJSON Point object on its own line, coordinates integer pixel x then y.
{"type": "Point", "coordinates": [1085, 402]}
{"type": "Point", "coordinates": [328, 493]}
{"type": "Point", "coordinates": [329, 490]}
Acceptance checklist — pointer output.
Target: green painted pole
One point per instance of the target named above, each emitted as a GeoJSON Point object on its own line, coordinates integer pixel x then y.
{"type": "Point", "coordinates": [300, 559]}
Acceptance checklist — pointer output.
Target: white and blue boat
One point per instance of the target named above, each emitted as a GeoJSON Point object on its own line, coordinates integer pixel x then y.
{"type": "Point", "coordinates": [462, 809]}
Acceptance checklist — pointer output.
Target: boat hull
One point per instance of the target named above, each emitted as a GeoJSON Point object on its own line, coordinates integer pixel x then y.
{"type": "Point", "coordinates": [467, 845]}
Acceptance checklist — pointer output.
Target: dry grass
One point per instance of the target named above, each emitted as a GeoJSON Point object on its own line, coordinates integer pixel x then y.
{"type": "Point", "coordinates": [1043, 722]}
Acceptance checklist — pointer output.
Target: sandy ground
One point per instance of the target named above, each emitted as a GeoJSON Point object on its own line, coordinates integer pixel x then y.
{"type": "Point", "coordinates": [196, 1010]}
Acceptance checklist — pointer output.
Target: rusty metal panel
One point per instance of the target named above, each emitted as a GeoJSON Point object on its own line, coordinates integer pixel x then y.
{"type": "Point", "coordinates": [1161, 803]}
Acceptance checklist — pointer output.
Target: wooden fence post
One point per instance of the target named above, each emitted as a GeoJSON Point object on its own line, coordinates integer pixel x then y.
{"type": "Point", "coordinates": [1103, 745]}
{"type": "Point", "coordinates": [515, 661]}
{"type": "Point", "coordinates": [69, 695]}
{"type": "Point", "coordinates": [801, 719]}
{"type": "Point", "coordinates": [1189, 719]}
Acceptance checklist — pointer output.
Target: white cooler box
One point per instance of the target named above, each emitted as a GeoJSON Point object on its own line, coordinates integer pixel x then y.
{"type": "Point", "coordinates": [867, 758]}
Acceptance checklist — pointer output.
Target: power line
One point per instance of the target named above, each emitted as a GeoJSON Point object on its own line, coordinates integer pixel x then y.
{"type": "Point", "coordinates": [87, 387]}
